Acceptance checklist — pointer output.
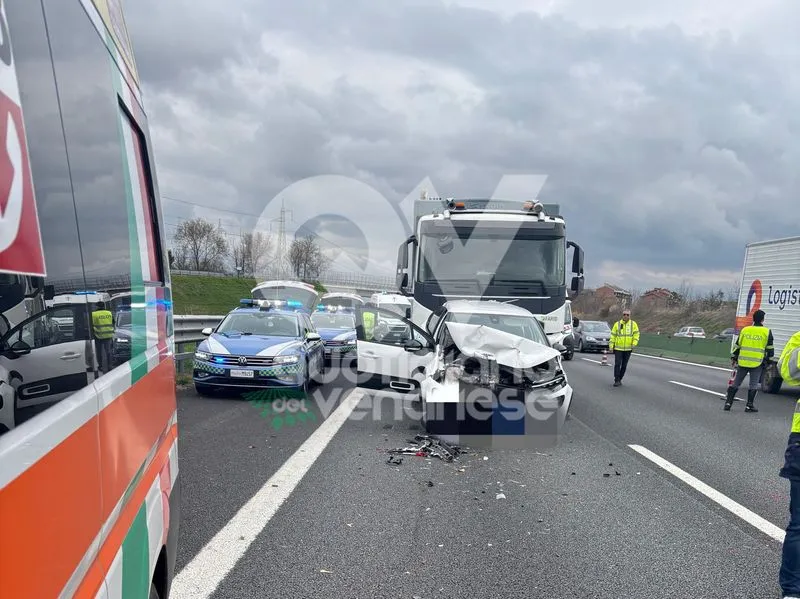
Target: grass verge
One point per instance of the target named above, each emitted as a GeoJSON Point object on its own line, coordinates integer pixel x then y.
{"type": "Point", "coordinates": [694, 358]}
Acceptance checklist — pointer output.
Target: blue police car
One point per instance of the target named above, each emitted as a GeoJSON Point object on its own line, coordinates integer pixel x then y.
{"type": "Point", "coordinates": [337, 327]}
{"type": "Point", "coordinates": [260, 344]}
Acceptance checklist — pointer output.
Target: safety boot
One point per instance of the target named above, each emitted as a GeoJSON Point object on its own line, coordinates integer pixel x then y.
{"type": "Point", "coordinates": [729, 399]}
{"type": "Point", "coordinates": [751, 395]}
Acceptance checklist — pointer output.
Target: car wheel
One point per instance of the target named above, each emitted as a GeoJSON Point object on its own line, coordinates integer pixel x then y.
{"type": "Point", "coordinates": [202, 389]}
{"type": "Point", "coordinates": [569, 353]}
{"type": "Point", "coordinates": [580, 346]}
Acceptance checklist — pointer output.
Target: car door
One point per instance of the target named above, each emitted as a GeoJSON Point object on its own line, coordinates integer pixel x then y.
{"type": "Point", "coordinates": [392, 351]}
{"type": "Point", "coordinates": [314, 347]}
{"type": "Point", "coordinates": [46, 362]}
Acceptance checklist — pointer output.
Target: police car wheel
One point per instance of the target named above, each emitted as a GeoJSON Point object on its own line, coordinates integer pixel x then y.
{"type": "Point", "coordinates": [202, 389]}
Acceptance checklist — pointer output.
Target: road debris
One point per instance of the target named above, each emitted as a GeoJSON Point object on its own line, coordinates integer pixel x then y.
{"type": "Point", "coordinates": [425, 445]}
{"type": "Point", "coordinates": [394, 460]}
{"type": "Point", "coordinates": [500, 496]}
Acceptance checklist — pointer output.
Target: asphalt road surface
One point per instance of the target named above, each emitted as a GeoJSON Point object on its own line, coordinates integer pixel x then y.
{"type": "Point", "coordinates": [306, 505]}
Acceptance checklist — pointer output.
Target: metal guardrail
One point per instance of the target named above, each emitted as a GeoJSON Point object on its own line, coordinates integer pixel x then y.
{"type": "Point", "coordinates": [188, 331]}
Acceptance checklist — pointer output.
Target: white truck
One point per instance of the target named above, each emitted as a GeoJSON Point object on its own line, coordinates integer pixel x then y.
{"type": "Point", "coordinates": [771, 282]}
{"type": "Point", "coordinates": [490, 249]}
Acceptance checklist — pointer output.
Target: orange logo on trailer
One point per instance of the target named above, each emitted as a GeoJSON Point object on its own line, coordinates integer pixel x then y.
{"type": "Point", "coordinates": [21, 249]}
{"type": "Point", "coordinates": [753, 303]}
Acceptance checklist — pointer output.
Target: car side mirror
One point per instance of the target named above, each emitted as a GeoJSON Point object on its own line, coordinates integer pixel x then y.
{"type": "Point", "coordinates": [559, 347]}
{"type": "Point", "coordinates": [207, 331]}
{"type": "Point", "coordinates": [413, 345]}
{"type": "Point", "coordinates": [311, 336]}
{"type": "Point", "coordinates": [19, 348]}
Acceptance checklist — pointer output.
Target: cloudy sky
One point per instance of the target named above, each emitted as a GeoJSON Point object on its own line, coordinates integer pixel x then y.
{"type": "Point", "coordinates": [669, 132]}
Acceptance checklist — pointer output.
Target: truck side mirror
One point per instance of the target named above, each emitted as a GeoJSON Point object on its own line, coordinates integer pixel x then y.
{"type": "Point", "coordinates": [577, 258]}
{"type": "Point", "coordinates": [577, 285]}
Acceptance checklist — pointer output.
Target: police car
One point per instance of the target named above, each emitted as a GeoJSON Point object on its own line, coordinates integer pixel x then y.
{"type": "Point", "coordinates": [337, 327]}
{"type": "Point", "coordinates": [260, 344]}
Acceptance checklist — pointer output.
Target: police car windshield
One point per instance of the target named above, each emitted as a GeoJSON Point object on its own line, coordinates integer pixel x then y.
{"type": "Point", "coordinates": [333, 321]}
{"type": "Point", "coordinates": [260, 323]}
{"type": "Point", "coordinates": [523, 326]}
{"type": "Point", "coordinates": [124, 318]}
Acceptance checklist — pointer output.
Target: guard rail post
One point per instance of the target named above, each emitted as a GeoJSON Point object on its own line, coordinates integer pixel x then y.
{"type": "Point", "coordinates": [188, 333]}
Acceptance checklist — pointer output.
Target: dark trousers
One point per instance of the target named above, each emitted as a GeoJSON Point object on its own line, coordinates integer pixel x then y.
{"type": "Point", "coordinates": [620, 363]}
{"type": "Point", "coordinates": [789, 578]}
{"type": "Point", "coordinates": [104, 356]}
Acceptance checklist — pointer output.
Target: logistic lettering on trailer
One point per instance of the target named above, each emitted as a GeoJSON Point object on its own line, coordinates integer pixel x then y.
{"type": "Point", "coordinates": [783, 297]}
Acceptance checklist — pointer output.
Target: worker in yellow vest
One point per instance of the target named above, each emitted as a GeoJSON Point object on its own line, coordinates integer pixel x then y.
{"type": "Point", "coordinates": [752, 348]}
{"type": "Point", "coordinates": [624, 338]}
{"type": "Point", "coordinates": [103, 329]}
{"type": "Point", "coordinates": [789, 577]}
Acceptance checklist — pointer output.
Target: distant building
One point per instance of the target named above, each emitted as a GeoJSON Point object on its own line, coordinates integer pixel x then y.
{"type": "Point", "coordinates": [612, 292]}
{"type": "Point", "coordinates": [659, 297]}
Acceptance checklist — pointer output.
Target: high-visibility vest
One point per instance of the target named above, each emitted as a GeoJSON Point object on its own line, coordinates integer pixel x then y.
{"type": "Point", "coordinates": [789, 362]}
{"type": "Point", "coordinates": [624, 336]}
{"type": "Point", "coordinates": [369, 324]}
{"type": "Point", "coordinates": [103, 324]}
{"type": "Point", "coordinates": [752, 343]}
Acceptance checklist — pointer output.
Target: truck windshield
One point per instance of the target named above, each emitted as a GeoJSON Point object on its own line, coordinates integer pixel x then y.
{"type": "Point", "coordinates": [525, 259]}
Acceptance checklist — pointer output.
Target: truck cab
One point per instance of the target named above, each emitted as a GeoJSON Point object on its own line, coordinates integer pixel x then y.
{"type": "Point", "coordinates": [489, 249]}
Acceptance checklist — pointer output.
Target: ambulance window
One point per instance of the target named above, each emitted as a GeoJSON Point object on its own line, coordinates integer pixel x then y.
{"type": "Point", "coordinates": [39, 379]}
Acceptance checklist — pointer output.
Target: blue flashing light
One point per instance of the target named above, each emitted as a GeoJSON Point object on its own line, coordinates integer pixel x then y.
{"type": "Point", "coordinates": [294, 304]}
{"type": "Point", "coordinates": [219, 360]}
{"type": "Point", "coordinates": [247, 302]}
{"type": "Point", "coordinates": [84, 292]}
{"type": "Point", "coordinates": [320, 307]}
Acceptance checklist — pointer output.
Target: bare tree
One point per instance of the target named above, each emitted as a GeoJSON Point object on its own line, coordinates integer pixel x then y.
{"type": "Point", "coordinates": [307, 258]}
{"type": "Point", "coordinates": [199, 245]}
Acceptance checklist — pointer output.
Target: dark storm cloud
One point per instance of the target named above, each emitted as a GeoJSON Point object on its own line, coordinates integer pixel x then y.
{"type": "Point", "coordinates": [663, 148]}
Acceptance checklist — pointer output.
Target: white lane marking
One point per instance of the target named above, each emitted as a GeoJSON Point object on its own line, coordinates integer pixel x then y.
{"type": "Point", "coordinates": [729, 504]}
{"type": "Point", "coordinates": [202, 576]}
{"type": "Point", "coordinates": [701, 389]}
{"type": "Point", "coordinates": [590, 360]}
{"type": "Point", "coordinates": [682, 362]}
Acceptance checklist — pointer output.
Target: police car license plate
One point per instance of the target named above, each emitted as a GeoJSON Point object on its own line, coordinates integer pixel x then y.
{"type": "Point", "coordinates": [242, 374]}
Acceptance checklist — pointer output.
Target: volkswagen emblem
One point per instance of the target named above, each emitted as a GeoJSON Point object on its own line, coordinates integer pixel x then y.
{"type": "Point", "coordinates": [242, 361]}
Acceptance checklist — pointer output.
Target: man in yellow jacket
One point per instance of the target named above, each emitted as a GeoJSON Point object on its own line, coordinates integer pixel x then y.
{"type": "Point", "coordinates": [103, 329]}
{"type": "Point", "coordinates": [753, 347]}
{"type": "Point", "coordinates": [624, 337]}
{"type": "Point", "coordinates": [789, 577]}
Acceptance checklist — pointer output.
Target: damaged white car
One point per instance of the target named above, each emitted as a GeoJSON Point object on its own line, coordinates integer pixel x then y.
{"type": "Point", "coordinates": [481, 369]}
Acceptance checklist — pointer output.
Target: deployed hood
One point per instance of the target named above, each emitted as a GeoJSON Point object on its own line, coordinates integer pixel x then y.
{"type": "Point", "coordinates": [481, 341]}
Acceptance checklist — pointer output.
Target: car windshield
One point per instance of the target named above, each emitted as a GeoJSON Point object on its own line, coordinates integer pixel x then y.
{"type": "Point", "coordinates": [596, 327]}
{"type": "Point", "coordinates": [124, 319]}
{"type": "Point", "coordinates": [260, 323]}
{"type": "Point", "coordinates": [333, 321]}
{"type": "Point", "coordinates": [523, 326]}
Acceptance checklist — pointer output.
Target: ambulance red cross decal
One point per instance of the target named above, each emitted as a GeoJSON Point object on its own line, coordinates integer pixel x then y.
{"type": "Point", "coordinates": [21, 249]}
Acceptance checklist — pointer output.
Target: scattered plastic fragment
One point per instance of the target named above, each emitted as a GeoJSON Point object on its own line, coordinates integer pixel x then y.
{"type": "Point", "coordinates": [500, 496]}
{"type": "Point", "coordinates": [425, 445]}
{"type": "Point", "coordinates": [486, 457]}
{"type": "Point", "coordinates": [394, 460]}
{"type": "Point", "coordinates": [326, 572]}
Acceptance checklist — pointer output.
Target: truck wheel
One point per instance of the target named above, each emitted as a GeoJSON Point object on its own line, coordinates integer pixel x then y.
{"type": "Point", "coordinates": [771, 380]}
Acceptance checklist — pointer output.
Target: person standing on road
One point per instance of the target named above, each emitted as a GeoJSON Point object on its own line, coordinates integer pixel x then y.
{"type": "Point", "coordinates": [753, 346]}
{"type": "Point", "coordinates": [789, 576]}
{"type": "Point", "coordinates": [103, 328]}
{"type": "Point", "coordinates": [624, 337]}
